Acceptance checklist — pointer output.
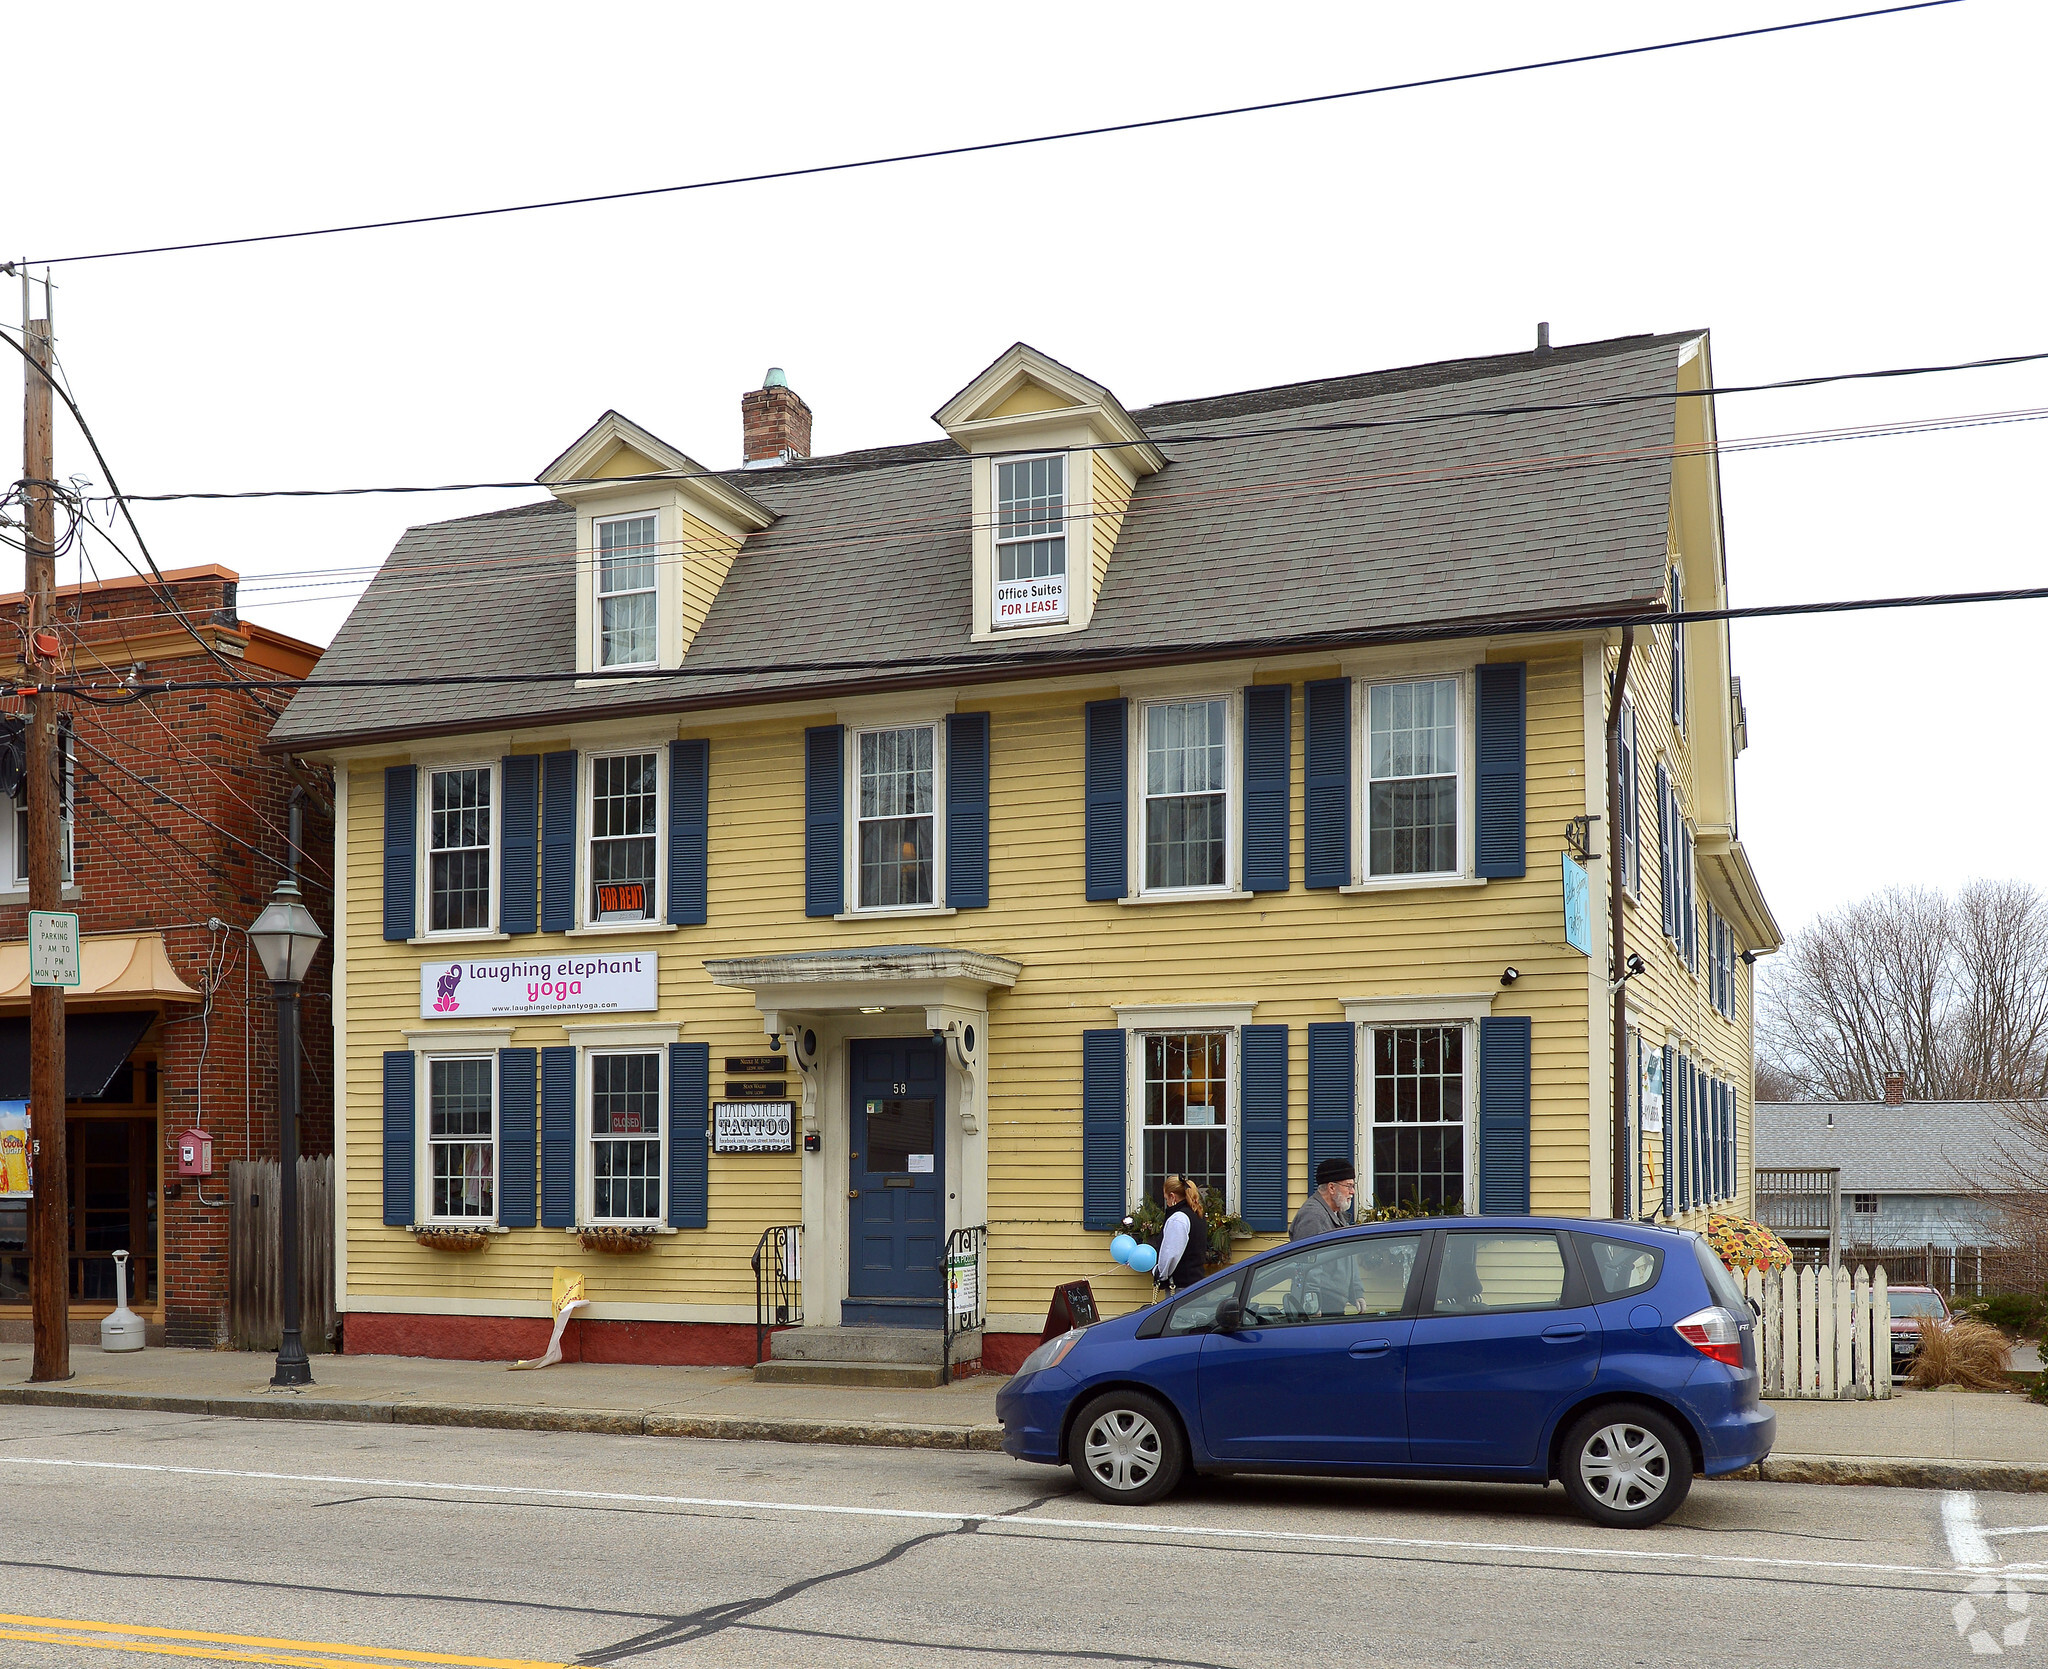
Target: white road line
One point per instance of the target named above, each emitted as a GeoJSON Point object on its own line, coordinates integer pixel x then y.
{"type": "Point", "coordinates": [1010, 1522]}
{"type": "Point", "coordinates": [1967, 1544]}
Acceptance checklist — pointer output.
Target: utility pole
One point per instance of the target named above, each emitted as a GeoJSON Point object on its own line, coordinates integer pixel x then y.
{"type": "Point", "coordinates": [49, 1214]}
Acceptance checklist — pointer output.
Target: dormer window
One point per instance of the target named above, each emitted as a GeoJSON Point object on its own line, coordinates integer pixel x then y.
{"type": "Point", "coordinates": [627, 623]}
{"type": "Point", "coordinates": [1031, 542]}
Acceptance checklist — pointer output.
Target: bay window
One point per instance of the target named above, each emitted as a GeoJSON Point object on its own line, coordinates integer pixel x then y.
{"type": "Point", "coordinates": [1186, 811]}
{"type": "Point", "coordinates": [625, 1136]}
{"type": "Point", "coordinates": [896, 817]}
{"type": "Point", "coordinates": [462, 1138]}
{"type": "Point", "coordinates": [625, 811]}
{"type": "Point", "coordinates": [628, 558]}
{"type": "Point", "coordinates": [1412, 789]}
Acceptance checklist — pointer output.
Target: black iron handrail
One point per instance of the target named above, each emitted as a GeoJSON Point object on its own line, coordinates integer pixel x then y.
{"type": "Point", "coordinates": [778, 1283]}
{"type": "Point", "coordinates": [966, 1296]}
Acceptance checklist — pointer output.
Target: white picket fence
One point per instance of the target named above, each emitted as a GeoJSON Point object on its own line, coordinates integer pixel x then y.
{"type": "Point", "coordinates": [1823, 1335]}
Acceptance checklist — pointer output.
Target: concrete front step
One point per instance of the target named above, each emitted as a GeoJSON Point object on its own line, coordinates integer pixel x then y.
{"type": "Point", "coordinates": [903, 1345]}
{"type": "Point", "coordinates": [883, 1375]}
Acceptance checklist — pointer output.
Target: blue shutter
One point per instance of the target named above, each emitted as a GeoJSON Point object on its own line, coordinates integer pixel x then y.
{"type": "Point", "coordinates": [689, 1135]}
{"type": "Point", "coordinates": [1332, 1097]}
{"type": "Point", "coordinates": [967, 811]}
{"type": "Point", "coordinates": [401, 859]}
{"type": "Point", "coordinates": [1682, 1101]}
{"type": "Point", "coordinates": [518, 1103]}
{"type": "Point", "coordinates": [1262, 1128]}
{"type": "Point", "coordinates": [558, 1136]}
{"type": "Point", "coordinates": [1665, 900]}
{"type": "Point", "coordinates": [1670, 1118]}
{"type": "Point", "coordinates": [558, 842]}
{"type": "Point", "coordinates": [1103, 1146]}
{"type": "Point", "coordinates": [825, 820]}
{"type": "Point", "coordinates": [1108, 863]}
{"type": "Point", "coordinates": [689, 832]}
{"type": "Point", "coordinates": [1268, 785]}
{"type": "Point", "coordinates": [518, 843]}
{"type": "Point", "coordinates": [1504, 1056]}
{"type": "Point", "coordinates": [1326, 783]}
{"type": "Point", "coordinates": [399, 1082]}
{"type": "Point", "coordinates": [1502, 790]}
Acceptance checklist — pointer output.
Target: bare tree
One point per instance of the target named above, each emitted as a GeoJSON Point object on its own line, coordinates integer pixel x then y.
{"type": "Point", "coordinates": [1951, 995]}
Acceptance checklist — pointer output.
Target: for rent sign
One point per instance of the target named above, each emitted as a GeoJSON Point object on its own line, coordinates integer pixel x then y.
{"type": "Point", "coordinates": [538, 985]}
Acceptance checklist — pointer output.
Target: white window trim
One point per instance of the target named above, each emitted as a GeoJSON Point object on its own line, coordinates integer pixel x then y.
{"type": "Point", "coordinates": [1148, 1020]}
{"type": "Point", "coordinates": [484, 1046]}
{"type": "Point", "coordinates": [1233, 796]}
{"type": "Point", "coordinates": [850, 779]}
{"type": "Point", "coordinates": [588, 1048]}
{"type": "Point", "coordinates": [1361, 809]}
{"type": "Point", "coordinates": [996, 541]}
{"type": "Point", "coordinates": [1452, 1012]}
{"type": "Point", "coordinates": [586, 826]}
{"type": "Point", "coordinates": [67, 828]}
{"type": "Point", "coordinates": [1678, 648]}
{"type": "Point", "coordinates": [424, 846]}
{"type": "Point", "coordinates": [1631, 751]}
{"type": "Point", "coordinates": [598, 594]}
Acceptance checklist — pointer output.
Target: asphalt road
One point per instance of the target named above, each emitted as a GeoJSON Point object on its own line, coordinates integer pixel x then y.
{"type": "Point", "coordinates": [166, 1539]}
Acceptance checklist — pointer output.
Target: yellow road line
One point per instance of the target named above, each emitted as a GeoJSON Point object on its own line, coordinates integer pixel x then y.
{"type": "Point", "coordinates": [182, 1642]}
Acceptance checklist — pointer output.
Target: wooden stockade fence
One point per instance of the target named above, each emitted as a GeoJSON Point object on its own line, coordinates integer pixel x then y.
{"type": "Point", "coordinates": [1823, 1334]}
{"type": "Point", "coordinates": [255, 1292]}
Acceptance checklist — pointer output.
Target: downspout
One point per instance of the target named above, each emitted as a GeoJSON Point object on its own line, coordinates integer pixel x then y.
{"type": "Point", "coordinates": [1616, 982]}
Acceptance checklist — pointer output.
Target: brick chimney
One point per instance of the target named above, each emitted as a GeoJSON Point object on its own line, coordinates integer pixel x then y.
{"type": "Point", "coordinates": [1895, 1089]}
{"type": "Point", "coordinates": [775, 424]}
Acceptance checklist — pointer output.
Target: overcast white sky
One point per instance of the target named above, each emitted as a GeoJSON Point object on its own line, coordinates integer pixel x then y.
{"type": "Point", "coordinates": [1862, 195]}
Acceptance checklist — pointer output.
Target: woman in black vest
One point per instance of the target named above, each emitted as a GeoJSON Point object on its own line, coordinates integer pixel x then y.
{"type": "Point", "coordinates": [1184, 1241]}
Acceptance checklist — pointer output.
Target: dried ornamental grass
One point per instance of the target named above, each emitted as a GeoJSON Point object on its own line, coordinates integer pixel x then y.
{"type": "Point", "coordinates": [1966, 1353]}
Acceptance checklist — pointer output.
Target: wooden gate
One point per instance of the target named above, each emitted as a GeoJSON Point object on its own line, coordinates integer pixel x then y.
{"type": "Point", "coordinates": [255, 1291]}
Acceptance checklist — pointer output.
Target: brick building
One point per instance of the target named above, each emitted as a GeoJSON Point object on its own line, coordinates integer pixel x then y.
{"type": "Point", "coordinates": [177, 832]}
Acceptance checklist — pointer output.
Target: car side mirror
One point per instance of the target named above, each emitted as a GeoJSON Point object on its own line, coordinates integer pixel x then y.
{"type": "Point", "coordinates": [1229, 1316]}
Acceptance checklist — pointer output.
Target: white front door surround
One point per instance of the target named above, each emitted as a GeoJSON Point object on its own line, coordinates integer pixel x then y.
{"type": "Point", "coordinates": [815, 1003]}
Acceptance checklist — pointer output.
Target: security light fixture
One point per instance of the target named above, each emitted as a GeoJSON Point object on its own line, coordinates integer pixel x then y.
{"type": "Point", "coordinates": [1508, 976]}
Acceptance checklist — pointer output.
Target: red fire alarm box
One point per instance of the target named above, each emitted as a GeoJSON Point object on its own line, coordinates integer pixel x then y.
{"type": "Point", "coordinates": [195, 1154]}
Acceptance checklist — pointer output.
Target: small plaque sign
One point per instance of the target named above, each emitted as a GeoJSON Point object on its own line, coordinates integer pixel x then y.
{"type": "Point", "coordinates": [757, 1065]}
{"type": "Point", "coordinates": [764, 1089]}
{"type": "Point", "coordinates": [753, 1127]}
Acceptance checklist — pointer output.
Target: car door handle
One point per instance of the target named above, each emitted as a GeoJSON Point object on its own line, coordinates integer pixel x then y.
{"type": "Point", "coordinates": [1563, 1333]}
{"type": "Point", "coordinates": [1371, 1347]}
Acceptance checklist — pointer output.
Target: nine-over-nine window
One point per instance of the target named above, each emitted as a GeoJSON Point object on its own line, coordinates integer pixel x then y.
{"type": "Point", "coordinates": [624, 812]}
{"type": "Point", "coordinates": [628, 555]}
{"type": "Point", "coordinates": [897, 814]}
{"type": "Point", "coordinates": [459, 849]}
{"type": "Point", "coordinates": [625, 1136]}
{"type": "Point", "coordinates": [1418, 1116]}
{"type": "Point", "coordinates": [1186, 1128]}
{"type": "Point", "coordinates": [462, 1136]}
{"type": "Point", "coordinates": [1031, 542]}
{"type": "Point", "coordinates": [1186, 814]}
{"type": "Point", "coordinates": [1412, 778]}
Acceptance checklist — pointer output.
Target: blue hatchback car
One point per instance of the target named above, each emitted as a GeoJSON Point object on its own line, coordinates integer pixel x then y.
{"type": "Point", "coordinates": [1615, 1358]}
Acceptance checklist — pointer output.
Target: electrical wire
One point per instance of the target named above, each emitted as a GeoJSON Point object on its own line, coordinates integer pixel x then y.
{"type": "Point", "coordinates": [990, 145]}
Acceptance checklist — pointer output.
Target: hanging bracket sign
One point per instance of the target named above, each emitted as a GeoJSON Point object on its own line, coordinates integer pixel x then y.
{"type": "Point", "coordinates": [1578, 912]}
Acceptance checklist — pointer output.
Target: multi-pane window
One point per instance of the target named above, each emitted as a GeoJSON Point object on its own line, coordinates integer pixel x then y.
{"type": "Point", "coordinates": [1031, 518]}
{"type": "Point", "coordinates": [1412, 791]}
{"type": "Point", "coordinates": [64, 819]}
{"type": "Point", "coordinates": [897, 816]}
{"type": "Point", "coordinates": [1186, 1129]}
{"type": "Point", "coordinates": [1629, 816]}
{"type": "Point", "coordinates": [1864, 1203]}
{"type": "Point", "coordinates": [1418, 1116]}
{"type": "Point", "coordinates": [1677, 652]}
{"type": "Point", "coordinates": [462, 1136]}
{"type": "Point", "coordinates": [1721, 944]}
{"type": "Point", "coordinates": [625, 1137]}
{"type": "Point", "coordinates": [628, 554]}
{"type": "Point", "coordinates": [624, 807]}
{"type": "Point", "coordinates": [1186, 794]}
{"type": "Point", "coordinates": [459, 849]}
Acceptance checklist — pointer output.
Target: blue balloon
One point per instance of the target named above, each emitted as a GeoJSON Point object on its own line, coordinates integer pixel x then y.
{"type": "Point", "coordinates": [1143, 1258]}
{"type": "Point", "coordinates": [1122, 1247]}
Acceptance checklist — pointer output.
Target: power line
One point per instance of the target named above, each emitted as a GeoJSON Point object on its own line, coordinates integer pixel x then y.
{"type": "Point", "coordinates": [988, 145]}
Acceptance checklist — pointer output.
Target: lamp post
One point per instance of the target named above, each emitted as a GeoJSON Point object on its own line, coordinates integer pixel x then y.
{"type": "Point", "coordinates": [287, 938]}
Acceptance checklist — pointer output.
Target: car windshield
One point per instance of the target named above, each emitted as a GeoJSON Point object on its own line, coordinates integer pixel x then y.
{"type": "Point", "coordinates": [1906, 1305]}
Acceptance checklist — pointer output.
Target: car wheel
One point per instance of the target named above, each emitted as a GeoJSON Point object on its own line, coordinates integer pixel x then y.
{"type": "Point", "coordinates": [1126, 1448]}
{"type": "Point", "coordinates": [1626, 1466]}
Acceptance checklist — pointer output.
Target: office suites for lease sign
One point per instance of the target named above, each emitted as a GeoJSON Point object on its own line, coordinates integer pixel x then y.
{"type": "Point", "coordinates": [538, 985]}
{"type": "Point", "coordinates": [1033, 602]}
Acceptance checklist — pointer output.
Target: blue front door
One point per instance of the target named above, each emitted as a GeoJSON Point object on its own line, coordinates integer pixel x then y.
{"type": "Point", "coordinates": [896, 1169]}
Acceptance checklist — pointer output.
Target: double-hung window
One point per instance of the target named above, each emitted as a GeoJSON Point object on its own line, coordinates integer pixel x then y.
{"type": "Point", "coordinates": [1690, 898]}
{"type": "Point", "coordinates": [1628, 814]}
{"type": "Point", "coordinates": [1031, 542]}
{"type": "Point", "coordinates": [1677, 652]}
{"type": "Point", "coordinates": [1186, 822]}
{"type": "Point", "coordinates": [1412, 778]}
{"type": "Point", "coordinates": [625, 820]}
{"type": "Point", "coordinates": [462, 1138]}
{"type": "Point", "coordinates": [625, 1136]}
{"type": "Point", "coordinates": [1186, 1128]}
{"type": "Point", "coordinates": [459, 826]}
{"type": "Point", "coordinates": [897, 816]}
{"type": "Point", "coordinates": [64, 818]}
{"type": "Point", "coordinates": [1418, 1099]}
{"type": "Point", "coordinates": [628, 558]}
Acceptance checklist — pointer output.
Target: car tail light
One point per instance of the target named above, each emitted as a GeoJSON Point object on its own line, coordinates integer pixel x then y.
{"type": "Point", "coordinates": [1713, 1332]}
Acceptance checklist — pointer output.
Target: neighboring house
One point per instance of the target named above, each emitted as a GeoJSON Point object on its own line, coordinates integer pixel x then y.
{"type": "Point", "coordinates": [175, 821]}
{"type": "Point", "coordinates": [1908, 1171]}
{"type": "Point", "coordinates": [1084, 795]}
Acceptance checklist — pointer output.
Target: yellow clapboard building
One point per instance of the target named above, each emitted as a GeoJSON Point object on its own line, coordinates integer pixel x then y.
{"type": "Point", "coordinates": [884, 868]}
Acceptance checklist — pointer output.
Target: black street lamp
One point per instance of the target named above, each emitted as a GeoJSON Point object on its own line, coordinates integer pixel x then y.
{"type": "Point", "coordinates": [287, 938]}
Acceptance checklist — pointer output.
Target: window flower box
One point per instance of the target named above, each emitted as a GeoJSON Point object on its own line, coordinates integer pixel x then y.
{"type": "Point", "coordinates": [618, 1242]}
{"type": "Point", "coordinates": [452, 1239]}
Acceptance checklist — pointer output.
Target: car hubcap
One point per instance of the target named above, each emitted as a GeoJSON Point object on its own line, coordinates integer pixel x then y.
{"type": "Point", "coordinates": [1122, 1449]}
{"type": "Point", "coordinates": [1625, 1466]}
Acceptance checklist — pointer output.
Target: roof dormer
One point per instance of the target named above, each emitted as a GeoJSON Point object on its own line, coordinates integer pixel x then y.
{"type": "Point", "coordinates": [656, 534]}
{"type": "Point", "coordinates": [1056, 459]}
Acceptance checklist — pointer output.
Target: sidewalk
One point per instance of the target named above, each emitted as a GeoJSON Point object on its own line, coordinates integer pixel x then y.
{"type": "Point", "coordinates": [1919, 1439]}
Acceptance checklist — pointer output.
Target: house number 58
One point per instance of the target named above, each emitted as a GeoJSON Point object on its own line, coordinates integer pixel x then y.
{"type": "Point", "coordinates": [900, 1089]}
